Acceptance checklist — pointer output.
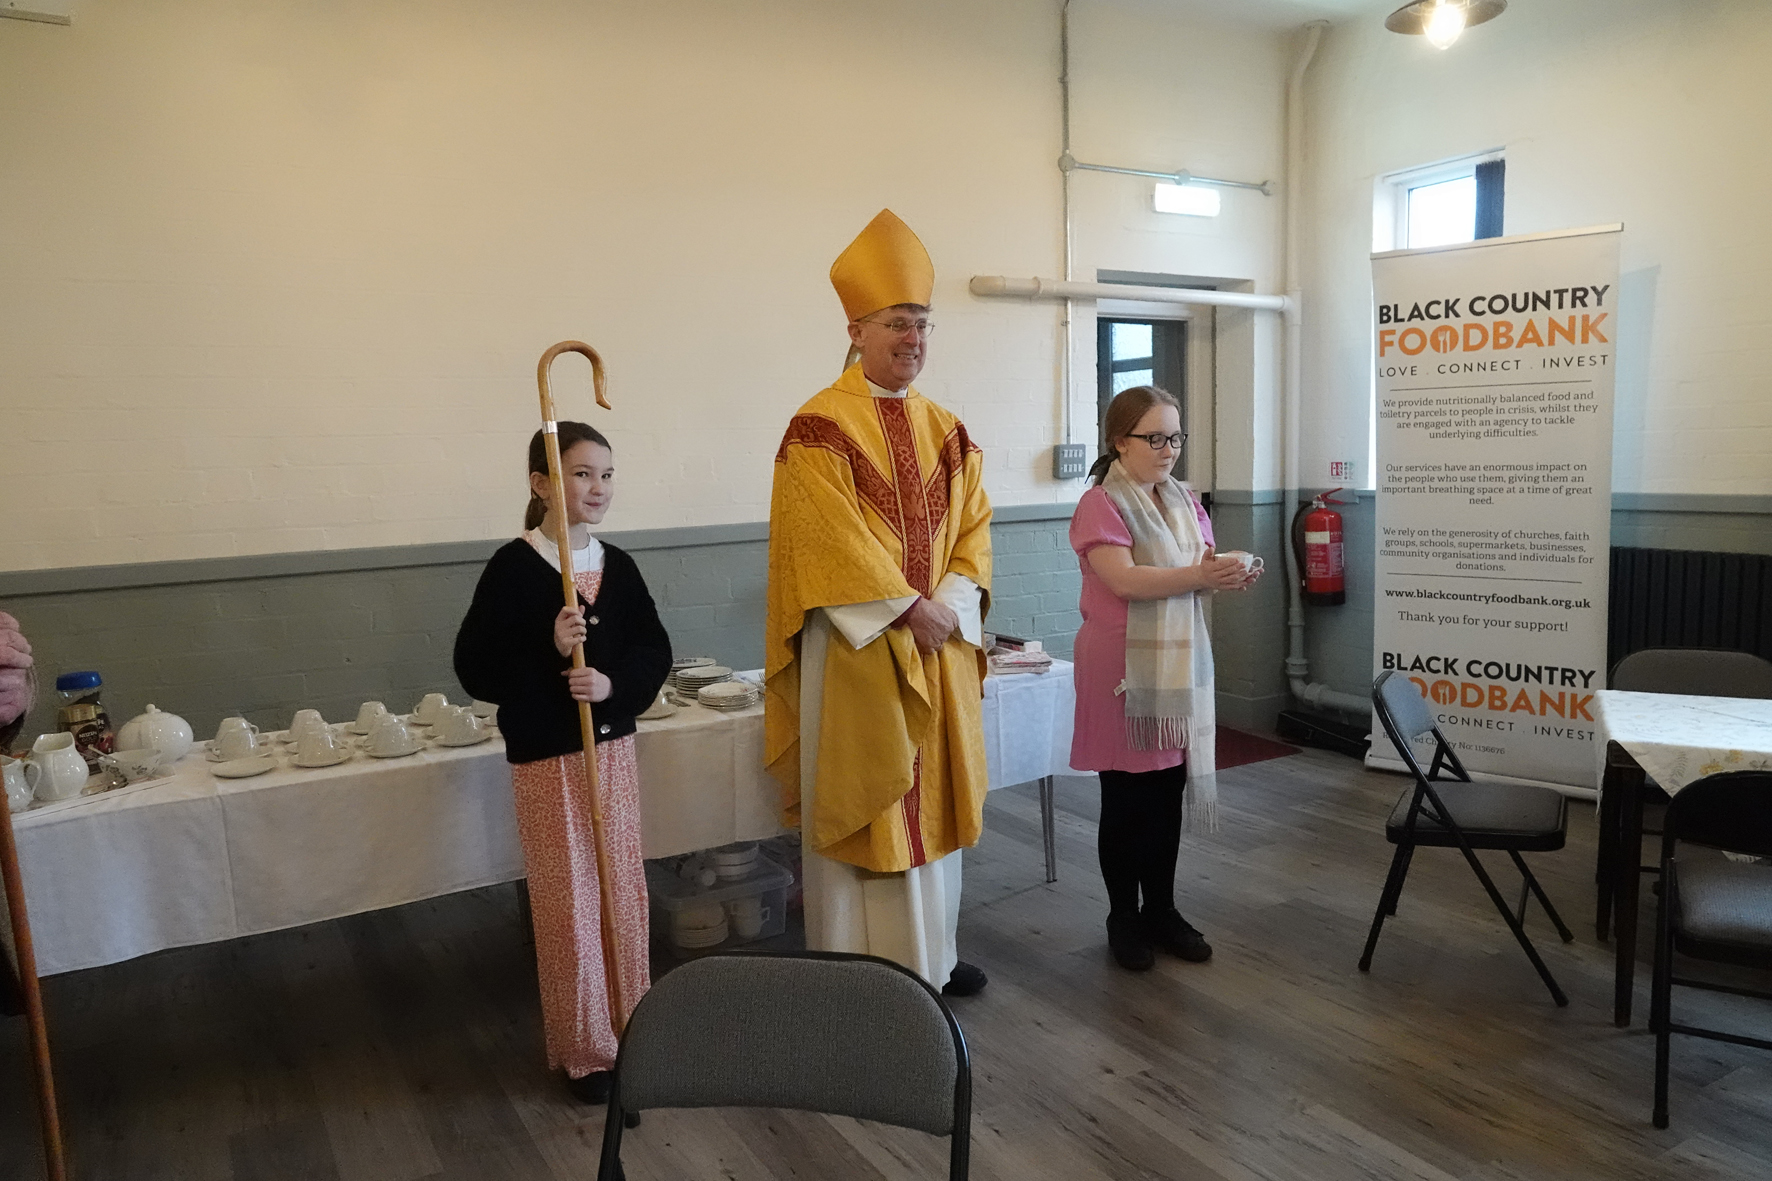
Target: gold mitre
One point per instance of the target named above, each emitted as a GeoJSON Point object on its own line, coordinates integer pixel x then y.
{"type": "Point", "coordinates": [886, 265]}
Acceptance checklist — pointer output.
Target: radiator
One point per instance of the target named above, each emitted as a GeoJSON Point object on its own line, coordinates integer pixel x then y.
{"type": "Point", "coordinates": [1664, 598]}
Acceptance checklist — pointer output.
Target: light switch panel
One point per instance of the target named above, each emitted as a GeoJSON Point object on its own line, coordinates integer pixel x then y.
{"type": "Point", "coordinates": [1070, 461]}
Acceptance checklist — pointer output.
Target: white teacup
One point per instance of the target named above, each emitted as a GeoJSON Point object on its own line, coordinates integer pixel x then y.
{"type": "Point", "coordinates": [305, 722]}
{"type": "Point", "coordinates": [747, 916]}
{"type": "Point", "coordinates": [391, 736]}
{"type": "Point", "coordinates": [484, 709]}
{"type": "Point", "coordinates": [427, 710]}
{"type": "Point", "coordinates": [369, 714]}
{"type": "Point", "coordinates": [232, 742]}
{"type": "Point", "coordinates": [318, 745]}
{"type": "Point", "coordinates": [134, 765]}
{"type": "Point", "coordinates": [1251, 563]}
{"type": "Point", "coordinates": [18, 789]}
{"type": "Point", "coordinates": [55, 770]}
{"type": "Point", "coordinates": [234, 725]}
{"type": "Point", "coordinates": [456, 724]}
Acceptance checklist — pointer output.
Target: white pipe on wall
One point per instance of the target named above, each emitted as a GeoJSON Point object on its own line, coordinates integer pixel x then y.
{"type": "Point", "coordinates": [1002, 285]}
{"type": "Point", "coordinates": [1298, 668]}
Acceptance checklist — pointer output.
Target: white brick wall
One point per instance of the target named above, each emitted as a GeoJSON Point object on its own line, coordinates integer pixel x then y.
{"type": "Point", "coordinates": [274, 278]}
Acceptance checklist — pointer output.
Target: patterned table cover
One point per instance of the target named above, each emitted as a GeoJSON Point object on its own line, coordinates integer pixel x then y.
{"type": "Point", "coordinates": [1678, 739]}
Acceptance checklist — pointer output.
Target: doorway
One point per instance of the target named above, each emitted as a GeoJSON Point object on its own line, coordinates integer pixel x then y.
{"type": "Point", "coordinates": [1131, 352]}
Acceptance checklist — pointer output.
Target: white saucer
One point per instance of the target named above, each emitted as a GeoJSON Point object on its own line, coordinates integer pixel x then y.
{"type": "Point", "coordinates": [244, 768]}
{"type": "Point", "coordinates": [470, 742]}
{"type": "Point", "coordinates": [340, 756]}
{"type": "Point", "coordinates": [214, 756]}
{"type": "Point", "coordinates": [658, 709]}
{"type": "Point", "coordinates": [399, 754]}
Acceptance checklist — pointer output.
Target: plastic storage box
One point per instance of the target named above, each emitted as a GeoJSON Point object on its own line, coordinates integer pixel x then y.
{"type": "Point", "coordinates": [752, 907]}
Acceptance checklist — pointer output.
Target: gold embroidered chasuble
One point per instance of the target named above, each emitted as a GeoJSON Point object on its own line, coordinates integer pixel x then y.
{"type": "Point", "coordinates": [878, 498]}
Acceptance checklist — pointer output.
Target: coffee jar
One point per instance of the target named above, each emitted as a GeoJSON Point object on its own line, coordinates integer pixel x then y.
{"type": "Point", "coordinates": [83, 715]}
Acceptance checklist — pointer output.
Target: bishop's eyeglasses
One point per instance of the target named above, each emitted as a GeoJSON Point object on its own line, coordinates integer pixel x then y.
{"type": "Point", "coordinates": [900, 327]}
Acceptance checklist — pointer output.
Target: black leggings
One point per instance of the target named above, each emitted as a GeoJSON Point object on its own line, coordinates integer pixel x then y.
{"type": "Point", "coordinates": [1140, 837]}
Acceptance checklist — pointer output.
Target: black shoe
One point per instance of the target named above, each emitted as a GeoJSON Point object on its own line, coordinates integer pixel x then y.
{"type": "Point", "coordinates": [1127, 940]}
{"type": "Point", "coordinates": [965, 980]}
{"type": "Point", "coordinates": [1175, 935]}
{"type": "Point", "coordinates": [592, 1089]}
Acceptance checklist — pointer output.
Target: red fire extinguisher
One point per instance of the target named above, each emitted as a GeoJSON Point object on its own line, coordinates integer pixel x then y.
{"type": "Point", "coordinates": [1316, 540]}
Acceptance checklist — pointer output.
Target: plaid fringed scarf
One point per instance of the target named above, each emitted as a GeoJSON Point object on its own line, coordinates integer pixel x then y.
{"type": "Point", "coordinates": [1169, 683]}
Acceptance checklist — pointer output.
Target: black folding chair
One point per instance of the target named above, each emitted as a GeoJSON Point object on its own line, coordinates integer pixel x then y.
{"type": "Point", "coordinates": [1712, 907]}
{"type": "Point", "coordinates": [830, 1032]}
{"type": "Point", "coordinates": [1442, 813]}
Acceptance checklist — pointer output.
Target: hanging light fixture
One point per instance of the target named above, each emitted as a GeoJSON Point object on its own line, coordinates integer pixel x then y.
{"type": "Point", "coordinates": [1442, 21]}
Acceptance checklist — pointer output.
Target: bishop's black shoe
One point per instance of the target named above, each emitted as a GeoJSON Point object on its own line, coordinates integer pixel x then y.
{"type": "Point", "coordinates": [965, 980]}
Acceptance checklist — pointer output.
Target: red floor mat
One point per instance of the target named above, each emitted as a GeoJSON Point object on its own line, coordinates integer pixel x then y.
{"type": "Point", "coordinates": [1236, 749]}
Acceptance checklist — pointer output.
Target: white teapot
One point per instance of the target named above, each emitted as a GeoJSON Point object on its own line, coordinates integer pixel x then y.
{"type": "Point", "coordinates": [167, 733]}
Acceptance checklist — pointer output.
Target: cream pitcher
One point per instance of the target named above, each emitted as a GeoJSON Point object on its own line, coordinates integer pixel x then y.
{"type": "Point", "coordinates": [54, 769]}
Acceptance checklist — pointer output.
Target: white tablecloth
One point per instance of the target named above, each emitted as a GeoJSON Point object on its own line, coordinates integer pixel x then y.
{"type": "Point", "coordinates": [195, 859]}
{"type": "Point", "coordinates": [1677, 739]}
{"type": "Point", "coordinates": [1028, 719]}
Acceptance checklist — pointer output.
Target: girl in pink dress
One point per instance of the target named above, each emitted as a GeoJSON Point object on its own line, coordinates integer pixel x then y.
{"type": "Point", "coordinates": [1141, 786]}
{"type": "Point", "coordinates": [514, 648]}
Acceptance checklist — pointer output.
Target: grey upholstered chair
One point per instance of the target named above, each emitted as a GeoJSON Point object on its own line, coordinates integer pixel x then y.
{"type": "Point", "coordinates": [1712, 907]}
{"type": "Point", "coordinates": [842, 1034]}
{"type": "Point", "coordinates": [1695, 672]}
{"type": "Point", "coordinates": [1456, 813]}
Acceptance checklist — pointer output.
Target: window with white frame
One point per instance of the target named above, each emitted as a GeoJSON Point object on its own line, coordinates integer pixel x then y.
{"type": "Point", "coordinates": [1439, 204]}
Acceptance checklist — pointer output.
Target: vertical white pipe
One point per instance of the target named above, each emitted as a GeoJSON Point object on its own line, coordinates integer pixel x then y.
{"type": "Point", "coordinates": [1297, 664]}
{"type": "Point", "coordinates": [1067, 359]}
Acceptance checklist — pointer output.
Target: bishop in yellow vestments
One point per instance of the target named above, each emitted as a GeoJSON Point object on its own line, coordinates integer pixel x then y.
{"type": "Point", "coordinates": [879, 577]}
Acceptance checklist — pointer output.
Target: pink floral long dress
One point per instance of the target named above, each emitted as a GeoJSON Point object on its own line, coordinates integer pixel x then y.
{"type": "Point", "coordinates": [554, 824]}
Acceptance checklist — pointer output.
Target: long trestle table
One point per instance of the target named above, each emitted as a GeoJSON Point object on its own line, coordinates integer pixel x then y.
{"type": "Point", "coordinates": [190, 858]}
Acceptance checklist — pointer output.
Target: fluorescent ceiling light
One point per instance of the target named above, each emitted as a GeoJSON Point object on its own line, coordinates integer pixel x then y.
{"type": "Point", "coordinates": [1193, 200]}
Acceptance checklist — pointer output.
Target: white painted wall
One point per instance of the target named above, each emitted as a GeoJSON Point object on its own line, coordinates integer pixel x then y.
{"type": "Point", "coordinates": [1642, 111]}
{"type": "Point", "coordinates": [274, 276]}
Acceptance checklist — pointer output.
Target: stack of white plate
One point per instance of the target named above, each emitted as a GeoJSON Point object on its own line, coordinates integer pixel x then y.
{"type": "Point", "coordinates": [682, 662]}
{"type": "Point", "coordinates": [735, 861]}
{"type": "Point", "coordinates": [689, 681]}
{"type": "Point", "coordinates": [728, 695]}
{"type": "Point", "coordinates": [696, 927]}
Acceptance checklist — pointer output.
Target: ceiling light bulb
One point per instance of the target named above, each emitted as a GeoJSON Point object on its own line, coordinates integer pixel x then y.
{"type": "Point", "coordinates": [1445, 23]}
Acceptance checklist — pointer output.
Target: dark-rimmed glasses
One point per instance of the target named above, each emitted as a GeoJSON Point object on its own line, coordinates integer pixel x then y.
{"type": "Point", "coordinates": [1157, 439]}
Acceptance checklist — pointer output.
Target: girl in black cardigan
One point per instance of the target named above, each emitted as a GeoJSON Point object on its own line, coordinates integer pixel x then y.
{"type": "Point", "coordinates": [514, 648]}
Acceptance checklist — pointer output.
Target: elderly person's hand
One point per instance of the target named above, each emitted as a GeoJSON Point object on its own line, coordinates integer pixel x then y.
{"type": "Point", "coordinates": [16, 695]}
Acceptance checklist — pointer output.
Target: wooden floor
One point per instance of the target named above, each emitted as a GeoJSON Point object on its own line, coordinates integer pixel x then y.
{"type": "Point", "coordinates": [406, 1044]}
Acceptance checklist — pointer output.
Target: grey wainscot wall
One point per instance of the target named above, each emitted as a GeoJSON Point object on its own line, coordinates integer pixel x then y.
{"type": "Point", "coordinates": [263, 636]}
